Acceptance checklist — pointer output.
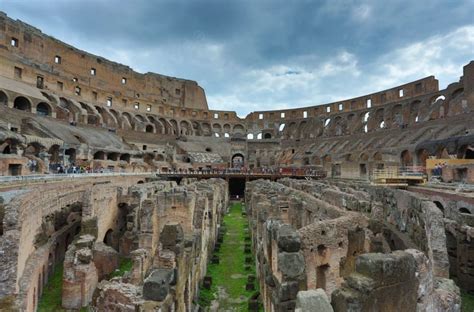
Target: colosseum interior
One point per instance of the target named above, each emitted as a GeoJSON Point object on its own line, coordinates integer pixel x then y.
{"type": "Point", "coordinates": [123, 191]}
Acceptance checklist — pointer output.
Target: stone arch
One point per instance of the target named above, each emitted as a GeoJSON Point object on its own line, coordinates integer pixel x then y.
{"type": "Point", "coordinates": [109, 238]}
{"type": "Point", "coordinates": [378, 121]}
{"type": "Point", "coordinates": [125, 157]}
{"type": "Point", "coordinates": [22, 103]}
{"type": "Point", "coordinates": [128, 118]}
{"type": "Point", "coordinates": [43, 109]}
{"type": "Point", "coordinates": [267, 136]}
{"type": "Point", "coordinates": [159, 127]}
{"type": "Point", "coordinates": [107, 117]}
{"type": "Point", "coordinates": [377, 156]}
{"type": "Point", "coordinates": [291, 130]}
{"type": "Point", "coordinates": [54, 154]}
{"type": "Point", "coordinates": [397, 115]}
{"type": "Point", "coordinates": [301, 129]}
{"type": "Point", "coordinates": [140, 117]}
{"type": "Point", "coordinates": [196, 128]}
{"type": "Point", "coordinates": [406, 158]}
{"type": "Point", "coordinates": [74, 111]}
{"type": "Point", "coordinates": [71, 153]}
{"type": "Point", "coordinates": [113, 156]}
{"type": "Point", "coordinates": [466, 152]}
{"type": "Point", "coordinates": [238, 160]}
{"type": "Point", "coordinates": [216, 128]}
{"type": "Point", "coordinates": [339, 126]}
{"type": "Point", "coordinates": [414, 111]}
{"type": "Point", "coordinates": [3, 98]}
{"type": "Point", "coordinates": [422, 155]}
{"type": "Point", "coordinates": [93, 117]}
{"type": "Point", "coordinates": [238, 128]}
{"type": "Point", "coordinates": [99, 155]}
{"type": "Point", "coordinates": [226, 128]}
{"type": "Point", "coordinates": [185, 128]}
{"type": "Point", "coordinates": [364, 157]}
{"type": "Point", "coordinates": [166, 126]}
{"type": "Point", "coordinates": [149, 129]}
{"type": "Point", "coordinates": [34, 149]}
{"type": "Point", "coordinates": [206, 129]}
{"type": "Point", "coordinates": [174, 127]}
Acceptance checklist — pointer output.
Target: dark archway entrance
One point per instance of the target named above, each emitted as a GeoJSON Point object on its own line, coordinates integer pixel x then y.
{"type": "Point", "coordinates": [237, 187]}
{"type": "Point", "coordinates": [238, 160]}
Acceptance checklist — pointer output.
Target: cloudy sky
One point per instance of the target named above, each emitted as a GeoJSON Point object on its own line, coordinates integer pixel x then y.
{"type": "Point", "coordinates": [270, 54]}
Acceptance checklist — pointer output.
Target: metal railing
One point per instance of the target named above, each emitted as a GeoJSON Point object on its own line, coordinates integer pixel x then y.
{"type": "Point", "coordinates": [49, 177]}
{"type": "Point", "coordinates": [62, 176]}
{"type": "Point", "coordinates": [398, 172]}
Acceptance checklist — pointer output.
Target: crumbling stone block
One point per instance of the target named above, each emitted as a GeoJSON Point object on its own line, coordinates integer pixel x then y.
{"type": "Point", "coordinates": [313, 300]}
{"type": "Point", "coordinates": [157, 284]}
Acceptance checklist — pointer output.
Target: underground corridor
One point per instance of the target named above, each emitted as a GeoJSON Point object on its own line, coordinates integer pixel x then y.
{"type": "Point", "coordinates": [230, 283]}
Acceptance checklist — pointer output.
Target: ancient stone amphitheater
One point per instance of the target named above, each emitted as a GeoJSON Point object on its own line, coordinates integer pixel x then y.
{"type": "Point", "coordinates": [365, 204]}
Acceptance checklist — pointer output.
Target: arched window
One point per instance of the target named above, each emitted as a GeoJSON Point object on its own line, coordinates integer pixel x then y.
{"type": "Point", "coordinates": [43, 109]}
{"type": "Point", "coordinates": [22, 103]}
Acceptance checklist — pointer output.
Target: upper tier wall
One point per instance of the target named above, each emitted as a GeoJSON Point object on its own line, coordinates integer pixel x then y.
{"type": "Point", "coordinates": [32, 58]}
{"type": "Point", "coordinates": [63, 68]}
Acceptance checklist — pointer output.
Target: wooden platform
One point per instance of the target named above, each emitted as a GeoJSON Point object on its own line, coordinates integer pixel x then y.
{"type": "Point", "coordinates": [398, 176]}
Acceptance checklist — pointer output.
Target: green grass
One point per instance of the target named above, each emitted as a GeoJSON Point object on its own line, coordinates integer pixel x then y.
{"type": "Point", "coordinates": [125, 265]}
{"type": "Point", "coordinates": [231, 263]}
{"type": "Point", "coordinates": [50, 301]}
{"type": "Point", "coordinates": [467, 302]}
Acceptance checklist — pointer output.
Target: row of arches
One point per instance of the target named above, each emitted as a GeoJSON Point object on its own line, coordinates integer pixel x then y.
{"type": "Point", "coordinates": [23, 103]}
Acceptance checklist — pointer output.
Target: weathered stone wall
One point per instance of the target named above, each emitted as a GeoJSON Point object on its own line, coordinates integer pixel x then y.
{"type": "Point", "coordinates": [31, 244]}
{"type": "Point", "coordinates": [176, 229]}
{"type": "Point", "coordinates": [336, 225]}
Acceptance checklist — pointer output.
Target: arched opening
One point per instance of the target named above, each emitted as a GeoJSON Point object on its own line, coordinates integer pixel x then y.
{"type": "Point", "coordinates": [267, 136]}
{"type": "Point", "coordinates": [282, 127]}
{"type": "Point", "coordinates": [3, 98]}
{"type": "Point", "coordinates": [422, 156]}
{"type": "Point", "coordinates": [259, 136]}
{"type": "Point", "coordinates": [464, 210]}
{"type": "Point", "coordinates": [54, 154]}
{"type": "Point", "coordinates": [237, 160]}
{"type": "Point", "coordinates": [149, 129]}
{"type": "Point", "coordinates": [113, 156]}
{"type": "Point", "coordinates": [465, 152]}
{"type": "Point", "coordinates": [43, 109]}
{"type": "Point", "coordinates": [99, 155]}
{"type": "Point", "coordinates": [125, 157]}
{"type": "Point", "coordinates": [22, 103]}
{"type": "Point", "coordinates": [140, 118]}
{"type": "Point", "coordinates": [250, 136]}
{"type": "Point", "coordinates": [406, 159]}
{"type": "Point", "coordinates": [71, 154]}
{"type": "Point", "coordinates": [33, 149]}
{"type": "Point", "coordinates": [109, 239]}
